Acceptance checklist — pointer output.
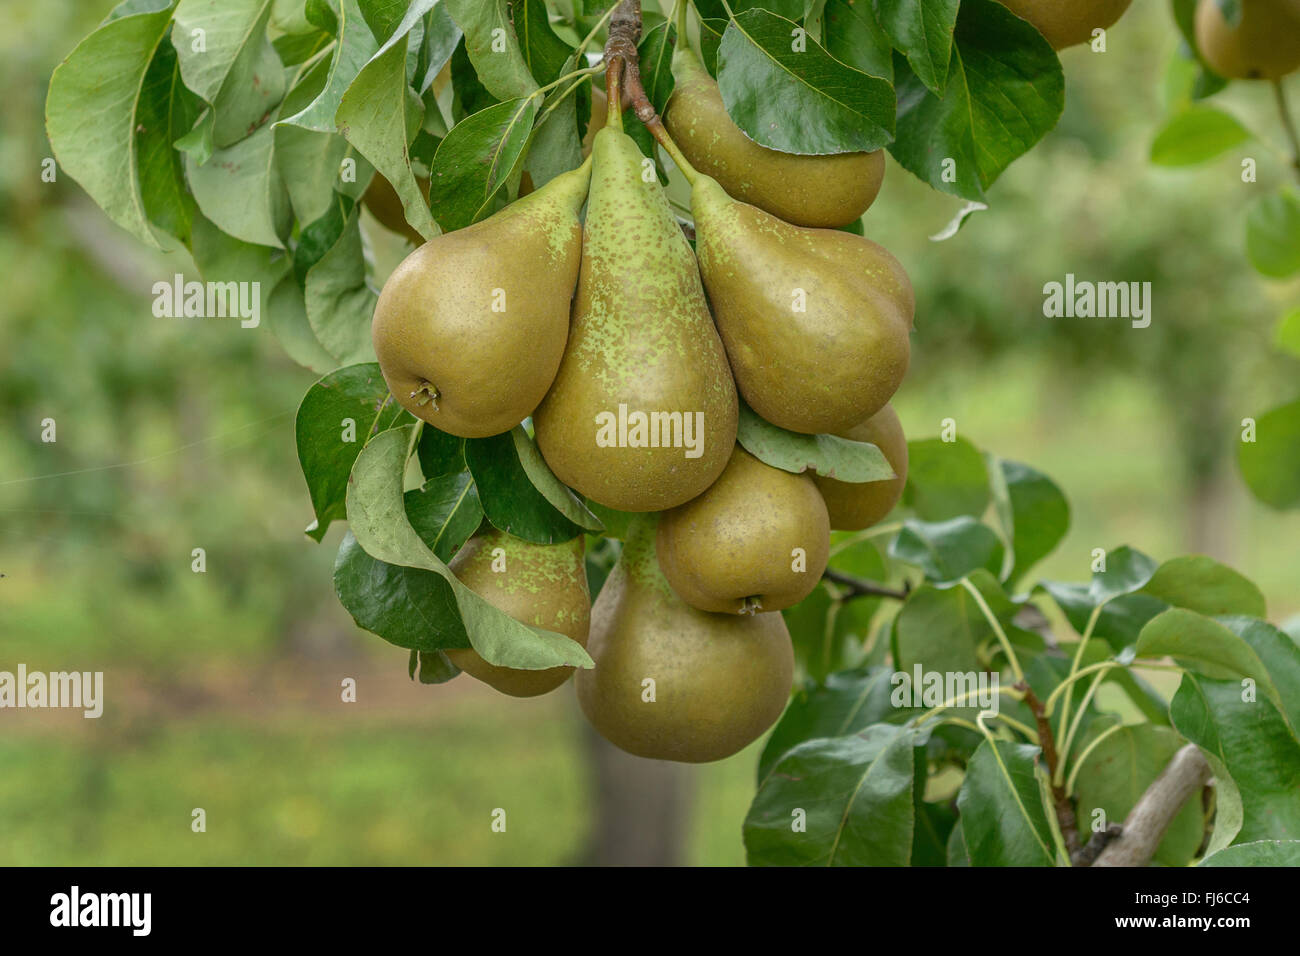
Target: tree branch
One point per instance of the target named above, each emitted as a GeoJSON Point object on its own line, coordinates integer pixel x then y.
{"type": "Point", "coordinates": [860, 587]}
{"type": "Point", "coordinates": [1064, 808]}
{"type": "Point", "coordinates": [1187, 772]}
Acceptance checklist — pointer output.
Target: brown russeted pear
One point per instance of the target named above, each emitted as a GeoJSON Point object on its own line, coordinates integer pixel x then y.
{"type": "Point", "coordinates": [816, 321]}
{"type": "Point", "coordinates": [853, 505]}
{"type": "Point", "coordinates": [542, 585]}
{"type": "Point", "coordinates": [1264, 45]}
{"type": "Point", "coordinates": [757, 540]}
{"type": "Point", "coordinates": [1067, 22]}
{"type": "Point", "coordinates": [807, 190]}
{"type": "Point", "coordinates": [642, 415]}
{"type": "Point", "coordinates": [674, 683]}
{"type": "Point", "coordinates": [470, 327]}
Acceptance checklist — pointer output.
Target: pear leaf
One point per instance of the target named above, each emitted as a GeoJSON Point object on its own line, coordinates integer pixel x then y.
{"type": "Point", "coordinates": [377, 514]}
{"type": "Point", "coordinates": [827, 455]}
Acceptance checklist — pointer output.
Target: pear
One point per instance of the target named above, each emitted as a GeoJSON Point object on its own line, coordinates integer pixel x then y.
{"type": "Point", "coordinates": [856, 505]}
{"type": "Point", "coordinates": [815, 321]}
{"type": "Point", "coordinates": [642, 415]}
{"type": "Point", "coordinates": [1264, 45]}
{"type": "Point", "coordinates": [806, 190]}
{"type": "Point", "coordinates": [470, 327]}
{"type": "Point", "coordinates": [757, 540]}
{"type": "Point", "coordinates": [1067, 22]}
{"type": "Point", "coordinates": [386, 206]}
{"type": "Point", "coordinates": [674, 683]}
{"type": "Point", "coordinates": [543, 585]}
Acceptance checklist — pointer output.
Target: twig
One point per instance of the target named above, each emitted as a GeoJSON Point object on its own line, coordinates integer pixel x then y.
{"type": "Point", "coordinates": [1288, 125]}
{"type": "Point", "coordinates": [1098, 842]}
{"type": "Point", "coordinates": [1064, 808]}
{"type": "Point", "coordinates": [1187, 772]}
{"type": "Point", "coordinates": [860, 587]}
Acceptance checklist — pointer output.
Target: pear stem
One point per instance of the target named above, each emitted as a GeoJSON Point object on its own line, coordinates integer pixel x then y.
{"type": "Point", "coordinates": [1288, 125]}
{"type": "Point", "coordinates": [614, 93]}
{"type": "Point", "coordinates": [680, 8]}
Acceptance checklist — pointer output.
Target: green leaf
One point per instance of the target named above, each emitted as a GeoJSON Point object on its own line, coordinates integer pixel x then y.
{"type": "Point", "coordinates": [445, 512]}
{"type": "Point", "coordinates": [922, 31]}
{"type": "Point", "coordinates": [1203, 644]}
{"type": "Point", "coordinates": [1203, 584]}
{"type": "Point", "coordinates": [804, 102]}
{"type": "Point", "coordinates": [433, 667]}
{"type": "Point", "coordinates": [247, 169]}
{"type": "Point", "coordinates": [311, 162]}
{"type": "Point", "coordinates": [557, 494]}
{"type": "Point", "coordinates": [510, 499]}
{"type": "Point", "coordinates": [1002, 817]}
{"type": "Point", "coordinates": [339, 301]}
{"type": "Point", "coordinates": [856, 793]}
{"type": "Point", "coordinates": [1268, 853]}
{"type": "Point", "coordinates": [1032, 510]}
{"type": "Point", "coordinates": [948, 550]}
{"type": "Point", "coordinates": [223, 259]}
{"type": "Point", "coordinates": [656, 56]}
{"type": "Point", "coordinates": [226, 58]}
{"type": "Point", "coordinates": [825, 454]}
{"type": "Point", "coordinates": [1271, 463]}
{"type": "Point", "coordinates": [1126, 570]}
{"type": "Point", "coordinates": [94, 108]}
{"type": "Point", "coordinates": [848, 702]}
{"type": "Point", "coordinates": [408, 607]}
{"type": "Point", "coordinates": [377, 515]}
{"type": "Point", "coordinates": [945, 479]}
{"type": "Point", "coordinates": [167, 111]}
{"type": "Point", "coordinates": [334, 420]}
{"type": "Point", "coordinates": [1250, 743]}
{"type": "Point", "coordinates": [1196, 134]}
{"type": "Point", "coordinates": [1273, 235]}
{"type": "Point", "coordinates": [854, 37]}
{"type": "Point", "coordinates": [544, 53]}
{"type": "Point", "coordinates": [439, 453]}
{"type": "Point", "coordinates": [1117, 774]}
{"type": "Point", "coordinates": [1280, 654]}
{"type": "Point", "coordinates": [475, 160]}
{"type": "Point", "coordinates": [1004, 92]}
{"type": "Point", "coordinates": [1121, 619]}
{"type": "Point", "coordinates": [555, 145]}
{"type": "Point", "coordinates": [286, 314]}
{"type": "Point", "coordinates": [940, 629]}
{"type": "Point", "coordinates": [380, 114]}
{"type": "Point", "coordinates": [504, 73]}
{"type": "Point", "coordinates": [1287, 334]}
{"type": "Point", "coordinates": [353, 49]}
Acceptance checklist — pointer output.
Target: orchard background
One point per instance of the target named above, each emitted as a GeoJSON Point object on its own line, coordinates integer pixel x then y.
{"type": "Point", "coordinates": [176, 434]}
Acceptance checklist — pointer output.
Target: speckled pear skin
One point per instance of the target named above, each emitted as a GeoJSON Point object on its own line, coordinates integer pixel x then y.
{"type": "Point", "coordinates": [720, 680]}
{"type": "Point", "coordinates": [641, 336]}
{"type": "Point", "coordinates": [733, 546]}
{"type": "Point", "coordinates": [826, 191]}
{"type": "Point", "coordinates": [822, 369]}
{"type": "Point", "coordinates": [434, 321]}
{"type": "Point", "coordinates": [853, 506]}
{"type": "Point", "coordinates": [544, 585]}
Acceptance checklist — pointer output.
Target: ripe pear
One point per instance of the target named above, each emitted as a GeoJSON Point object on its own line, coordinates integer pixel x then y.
{"type": "Point", "coordinates": [642, 415]}
{"type": "Point", "coordinates": [470, 327]}
{"type": "Point", "coordinates": [1264, 45]}
{"type": "Point", "coordinates": [825, 191]}
{"type": "Point", "coordinates": [815, 321]}
{"type": "Point", "coordinates": [386, 206]}
{"type": "Point", "coordinates": [1067, 22]}
{"type": "Point", "coordinates": [757, 540]}
{"type": "Point", "coordinates": [856, 505]}
{"type": "Point", "coordinates": [719, 680]}
{"type": "Point", "coordinates": [543, 585]}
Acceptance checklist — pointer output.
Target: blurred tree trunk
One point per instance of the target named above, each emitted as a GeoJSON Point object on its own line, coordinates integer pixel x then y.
{"type": "Point", "coordinates": [642, 807]}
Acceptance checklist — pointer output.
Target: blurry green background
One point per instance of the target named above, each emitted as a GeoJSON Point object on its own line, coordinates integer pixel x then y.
{"type": "Point", "coordinates": [224, 687]}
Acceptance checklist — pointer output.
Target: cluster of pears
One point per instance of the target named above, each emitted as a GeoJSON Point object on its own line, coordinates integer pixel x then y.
{"type": "Point", "coordinates": [630, 353]}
